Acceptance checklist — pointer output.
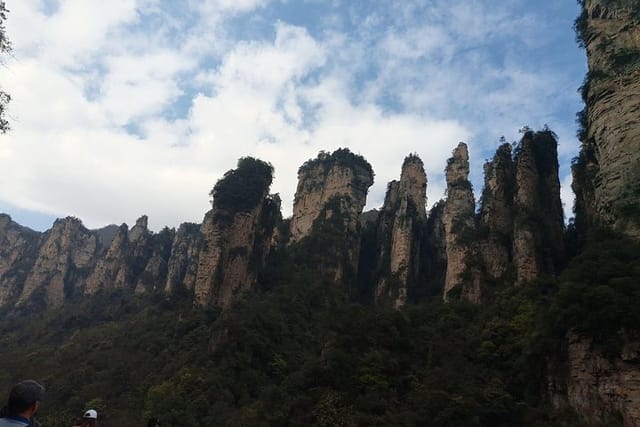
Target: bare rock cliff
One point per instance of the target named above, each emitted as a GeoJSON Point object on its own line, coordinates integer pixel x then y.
{"type": "Point", "coordinates": [182, 266]}
{"type": "Point", "coordinates": [65, 256]}
{"type": "Point", "coordinates": [340, 174]}
{"type": "Point", "coordinates": [400, 228]}
{"type": "Point", "coordinates": [607, 181]}
{"type": "Point", "coordinates": [330, 196]}
{"type": "Point", "coordinates": [458, 220]}
{"type": "Point", "coordinates": [538, 242]}
{"type": "Point", "coordinates": [599, 387]}
{"type": "Point", "coordinates": [18, 250]}
{"type": "Point", "coordinates": [496, 214]}
{"type": "Point", "coordinates": [237, 233]}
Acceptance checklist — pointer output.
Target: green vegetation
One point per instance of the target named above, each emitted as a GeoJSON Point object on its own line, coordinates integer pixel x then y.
{"type": "Point", "coordinates": [243, 188]}
{"type": "Point", "coordinates": [342, 157]}
{"type": "Point", "coordinates": [301, 352]}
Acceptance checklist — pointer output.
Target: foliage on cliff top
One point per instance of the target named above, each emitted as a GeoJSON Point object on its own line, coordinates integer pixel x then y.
{"type": "Point", "coordinates": [243, 188]}
{"type": "Point", "coordinates": [342, 157]}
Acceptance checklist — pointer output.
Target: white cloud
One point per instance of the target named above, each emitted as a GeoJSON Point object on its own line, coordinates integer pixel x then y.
{"type": "Point", "coordinates": [389, 85]}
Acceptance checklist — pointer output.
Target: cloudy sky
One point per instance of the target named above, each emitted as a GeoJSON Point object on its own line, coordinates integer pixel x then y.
{"type": "Point", "coordinates": [130, 107]}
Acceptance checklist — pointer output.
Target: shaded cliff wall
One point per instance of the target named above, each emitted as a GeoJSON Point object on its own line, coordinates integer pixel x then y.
{"type": "Point", "coordinates": [325, 226]}
{"type": "Point", "coordinates": [496, 215]}
{"type": "Point", "coordinates": [18, 251]}
{"type": "Point", "coordinates": [600, 388]}
{"type": "Point", "coordinates": [607, 171]}
{"type": "Point", "coordinates": [538, 233]}
{"type": "Point", "coordinates": [400, 233]}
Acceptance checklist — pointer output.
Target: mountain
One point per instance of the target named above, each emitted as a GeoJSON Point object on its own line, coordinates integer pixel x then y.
{"type": "Point", "coordinates": [495, 314]}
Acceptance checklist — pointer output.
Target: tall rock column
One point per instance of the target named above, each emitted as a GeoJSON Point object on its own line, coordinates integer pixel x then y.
{"type": "Point", "coordinates": [400, 225]}
{"type": "Point", "coordinates": [329, 199]}
{"type": "Point", "coordinates": [235, 234]}
{"type": "Point", "coordinates": [538, 244]}
{"type": "Point", "coordinates": [458, 219]}
{"type": "Point", "coordinates": [607, 174]}
{"type": "Point", "coordinates": [496, 214]}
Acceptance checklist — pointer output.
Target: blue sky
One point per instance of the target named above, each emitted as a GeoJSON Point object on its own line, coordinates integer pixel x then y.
{"type": "Point", "coordinates": [133, 107]}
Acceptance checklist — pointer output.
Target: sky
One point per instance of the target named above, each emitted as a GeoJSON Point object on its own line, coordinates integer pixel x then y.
{"type": "Point", "coordinates": [128, 107]}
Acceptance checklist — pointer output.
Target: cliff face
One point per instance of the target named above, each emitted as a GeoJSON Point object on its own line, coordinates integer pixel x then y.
{"type": "Point", "coordinates": [125, 259]}
{"type": "Point", "coordinates": [400, 229]}
{"type": "Point", "coordinates": [607, 179]}
{"type": "Point", "coordinates": [329, 199]}
{"type": "Point", "coordinates": [18, 250]}
{"type": "Point", "coordinates": [458, 220]}
{"type": "Point", "coordinates": [64, 258]}
{"type": "Point", "coordinates": [182, 266]}
{"type": "Point", "coordinates": [538, 242]}
{"type": "Point", "coordinates": [599, 387]}
{"type": "Point", "coordinates": [340, 175]}
{"type": "Point", "coordinates": [496, 214]}
{"type": "Point", "coordinates": [236, 234]}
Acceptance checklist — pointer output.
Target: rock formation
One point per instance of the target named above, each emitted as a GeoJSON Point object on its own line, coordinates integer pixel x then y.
{"type": "Point", "coordinates": [538, 236]}
{"type": "Point", "coordinates": [64, 257]}
{"type": "Point", "coordinates": [125, 259]}
{"type": "Point", "coordinates": [236, 234]}
{"type": "Point", "coordinates": [18, 249]}
{"type": "Point", "coordinates": [458, 220]}
{"type": "Point", "coordinates": [400, 230]}
{"type": "Point", "coordinates": [340, 175]}
{"type": "Point", "coordinates": [182, 266]}
{"type": "Point", "coordinates": [496, 214]}
{"type": "Point", "coordinates": [599, 387]}
{"type": "Point", "coordinates": [607, 173]}
{"type": "Point", "coordinates": [331, 193]}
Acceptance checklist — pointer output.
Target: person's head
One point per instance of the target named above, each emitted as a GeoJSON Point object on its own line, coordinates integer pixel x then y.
{"type": "Point", "coordinates": [90, 418]}
{"type": "Point", "coordinates": [25, 398]}
{"type": "Point", "coordinates": [153, 422]}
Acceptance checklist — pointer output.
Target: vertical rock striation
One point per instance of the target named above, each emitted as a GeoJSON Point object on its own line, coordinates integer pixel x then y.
{"type": "Point", "coordinates": [496, 214]}
{"type": "Point", "coordinates": [607, 172]}
{"type": "Point", "coordinates": [64, 258]}
{"type": "Point", "coordinates": [329, 199]}
{"type": "Point", "coordinates": [182, 266]}
{"type": "Point", "coordinates": [400, 228]}
{"type": "Point", "coordinates": [538, 242]}
{"type": "Point", "coordinates": [236, 233]}
{"type": "Point", "coordinates": [599, 387]}
{"type": "Point", "coordinates": [18, 250]}
{"type": "Point", "coordinates": [458, 220]}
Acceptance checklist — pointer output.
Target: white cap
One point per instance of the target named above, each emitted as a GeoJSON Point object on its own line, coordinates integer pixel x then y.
{"type": "Point", "coordinates": [91, 413]}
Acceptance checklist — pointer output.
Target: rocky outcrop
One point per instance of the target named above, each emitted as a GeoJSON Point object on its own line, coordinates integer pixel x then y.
{"type": "Point", "coordinates": [182, 266]}
{"type": "Point", "coordinates": [538, 235]}
{"type": "Point", "coordinates": [607, 174]}
{"type": "Point", "coordinates": [18, 250]}
{"type": "Point", "coordinates": [339, 175]}
{"type": "Point", "coordinates": [599, 388]}
{"type": "Point", "coordinates": [329, 199]}
{"type": "Point", "coordinates": [459, 225]}
{"type": "Point", "coordinates": [237, 233]}
{"type": "Point", "coordinates": [154, 276]}
{"type": "Point", "coordinates": [400, 228]}
{"type": "Point", "coordinates": [64, 258]}
{"type": "Point", "coordinates": [496, 214]}
{"type": "Point", "coordinates": [124, 261]}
